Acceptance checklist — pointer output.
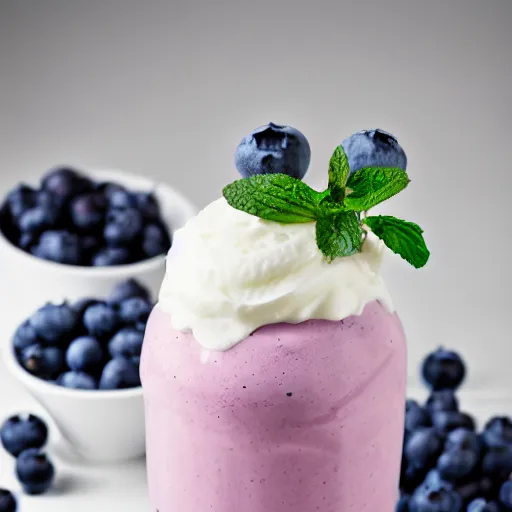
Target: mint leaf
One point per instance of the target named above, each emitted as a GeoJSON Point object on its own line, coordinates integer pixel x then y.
{"type": "Point", "coordinates": [372, 185]}
{"type": "Point", "coordinates": [402, 237]}
{"type": "Point", "coordinates": [338, 234]}
{"type": "Point", "coordinates": [338, 174]}
{"type": "Point", "coordinates": [275, 197]}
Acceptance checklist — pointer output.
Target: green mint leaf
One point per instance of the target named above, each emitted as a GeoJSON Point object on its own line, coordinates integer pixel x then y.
{"type": "Point", "coordinates": [402, 237]}
{"type": "Point", "coordinates": [338, 234]}
{"type": "Point", "coordinates": [338, 174]}
{"type": "Point", "coordinates": [275, 197]}
{"type": "Point", "coordinates": [372, 185]}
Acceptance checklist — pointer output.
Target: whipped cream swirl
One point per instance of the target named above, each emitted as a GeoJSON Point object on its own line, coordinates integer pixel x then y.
{"type": "Point", "coordinates": [229, 273]}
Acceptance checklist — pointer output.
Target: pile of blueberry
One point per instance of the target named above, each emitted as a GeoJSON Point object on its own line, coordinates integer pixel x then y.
{"type": "Point", "coordinates": [24, 438]}
{"type": "Point", "coordinates": [89, 344]}
{"type": "Point", "coordinates": [74, 220]}
{"type": "Point", "coordinates": [447, 465]}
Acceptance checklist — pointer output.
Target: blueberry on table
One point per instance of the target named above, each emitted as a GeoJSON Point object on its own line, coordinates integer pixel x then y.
{"type": "Point", "coordinates": [497, 431]}
{"type": "Point", "coordinates": [457, 464]}
{"type": "Point", "coordinates": [481, 505]}
{"type": "Point", "coordinates": [446, 421]}
{"type": "Point", "coordinates": [65, 183]}
{"type": "Point", "coordinates": [128, 289]}
{"type": "Point", "coordinates": [443, 369]}
{"type": "Point", "coordinates": [119, 373]}
{"type": "Point", "coordinates": [442, 400]}
{"type": "Point", "coordinates": [126, 343]}
{"type": "Point", "coordinates": [155, 240]}
{"type": "Point", "coordinates": [373, 148]}
{"type": "Point", "coordinates": [34, 471]}
{"type": "Point", "coordinates": [111, 256]}
{"type": "Point", "coordinates": [55, 323]}
{"type": "Point", "coordinates": [24, 336]}
{"type": "Point", "coordinates": [7, 501]}
{"type": "Point", "coordinates": [423, 447]}
{"type": "Point", "coordinates": [77, 380]}
{"type": "Point", "coordinates": [122, 226]}
{"type": "Point", "coordinates": [148, 205]}
{"type": "Point", "coordinates": [43, 362]}
{"type": "Point", "coordinates": [59, 246]}
{"type": "Point", "coordinates": [85, 354]}
{"type": "Point", "coordinates": [273, 149]}
{"type": "Point", "coordinates": [101, 320]}
{"type": "Point", "coordinates": [19, 433]}
{"type": "Point", "coordinates": [88, 211]}
{"type": "Point", "coordinates": [135, 310]}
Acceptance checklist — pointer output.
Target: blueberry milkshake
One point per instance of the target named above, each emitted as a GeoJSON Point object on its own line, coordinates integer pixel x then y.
{"type": "Point", "coordinates": [274, 364]}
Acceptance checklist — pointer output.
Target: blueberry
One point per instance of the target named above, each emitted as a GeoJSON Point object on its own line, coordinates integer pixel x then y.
{"type": "Point", "coordinates": [434, 481]}
{"type": "Point", "coordinates": [506, 494]}
{"type": "Point", "coordinates": [77, 380]}
{"type": "Point", "coordinates": [19, 433]}
{"type": "Point", "coordinates": [27, 241]}
{"type": "Point", "coordinates": [39, 219]}
{"type": "Point", "coordinates": [34, 471]}
{"type": "Point", "coordinates": [65, 183]}
{"type": "Point", "coordinates": [128, 289]}
{"type": "Point", "coordinates": [148, 205]}
{"type": "Point", "coordinates": [55, 323]}
{"type": "Point", "coordinates": [110, 256]}
{"type": "Point", "coordinates": [7, 501]}
{"type": "Point", "coordinates": [101, 320]}
{"type": "Point", "coordinates": [20, 199]}
{"type": "Point", "coordinates": [88, 210]}
{"type": "Point", "coordinates": [134, 310]}
{"type": "Point", "coordinates": [81, 305]}
{"type": "Point", "coordinates": [498, 430]}
{"type": "Point", "coordinates": [497, 462]}
{"type": "Point", "coordinates": [126, 343]}
{"type": "Point", "coordinates": [43, 362]}
{"type": "Point", "coordinates": [443, 369]}
{"type": "Point", "coordinates": [442, 400]}
{"type": "Point", "coordinates": [373, 148]}
{"type": "Point", "coordinates": [403, 504]}
{"type": "Point", "coordinates": [121, 199]}
{"type": "Point", "coordinates": [423, 447]}
{"type": "Point", "coordinates": [456, 464]}
{"type": "Point", "coordinates": [155, 240]}
{"type": "Point", "coordinates": [464, 439]}
{"type": "Point", "coordinates": [415, 416]}
{"type": "Point", "coordinates": [85, 354]}
{"type": "Point", "coordinates": [438, 500]}
{"type": "Point", "coordinates": [481, 505]}
{"type": "Point", "coordinates": [122, 226]}
{"type": "Point", "coordinates": [108, 188]}
{"type": "Point", "coordinates": [24, 336]}
{"type": "Point", "coordinates": [272, 149]}
{"type": "Point", "coordinates": [119, 373]}
{"type": "Point", "coordinates": [90, 244]}
{"type": "Point", "coordinates": [59, 246]}
{"type": "Point", "coordinates": [468, 490]}
{"type": "Point", "coordinates": [411, 476]}
{"type": "Point", "coordinates": [446, 421]}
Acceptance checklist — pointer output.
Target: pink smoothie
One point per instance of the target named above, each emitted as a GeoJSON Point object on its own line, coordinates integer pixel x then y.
{"type": "Point", "coordinates": [296, 418]}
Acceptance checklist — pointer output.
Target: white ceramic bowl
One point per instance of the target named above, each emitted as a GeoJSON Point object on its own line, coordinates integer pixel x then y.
{"type": "Point", "coordinates": [29, 282]}
{"type": "Point", "coordinates": [101, 426]}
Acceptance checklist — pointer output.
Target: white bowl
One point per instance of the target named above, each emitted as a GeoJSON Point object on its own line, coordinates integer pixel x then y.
{"type": "Point", "coordinates": [101, 426]}
{"type": "Point", "coordinates": [29, 282]}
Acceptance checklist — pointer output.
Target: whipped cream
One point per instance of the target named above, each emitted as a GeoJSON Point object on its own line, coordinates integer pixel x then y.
{"type": "Point", "coordinates": [229, 273]}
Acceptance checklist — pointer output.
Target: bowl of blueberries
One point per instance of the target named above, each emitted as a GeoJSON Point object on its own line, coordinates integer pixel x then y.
{"type": "Point", "coordinates": [76, 233]}
{"type": "Point", "coordinates": [80, 361]}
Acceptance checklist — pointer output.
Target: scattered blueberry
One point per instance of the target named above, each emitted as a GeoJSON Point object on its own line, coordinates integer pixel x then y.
{"type": "Point", "coordinates": [119, 373]}
{"type": "Point", "coordinates": [128, 289]}
{"type": "Point", "coordinates": [65, 183]}
{"type": "Point", "coordinates": [59, 246]}
{"type": "Point", "coordinates": [101, 320]}
{"type": "Point", "coordinates": [272, 149]}
{"type": "Point", "coordinates": [155, 240]}
{"type": "Point", "coordinates": [77, 380]}
{"type": "Point", "coordinates": [442, 400]}
{"type": "Point", "coordinates": [126, 343]}
{"type": "Point", "coordinates": [7, 501]}
{"type": "Point", "coordinates": [443, 369]}
{"type": "Point", "coordinates": [123, 226]}
{"type": "Point", "coordinates": [18, 433]}
{"type": "Point", "coordinates": [34, 471]}
{"type": "Point", "coordinates": [438, 500]}
{"type": "Point", "coordinates": [373, 148]}
{"type": "Point", "coordinates": [85, 355]}
{"type": "Point", "coordinates": [135, 310]}
{"type": "Point", "coordinates": [24, 336]}
{"type": "Point", "coordinates": [88, 210]}
{"type": "Point", "coordinates": [423, 447]}
{"type": "Point", "coordinates": [43, 362]}
{"type": "Point", "coordinates": [54, 323]}
{"type": "Point", "coordinates": [497, 431]}
{"type": "Point", "coordinates": [110, 256]}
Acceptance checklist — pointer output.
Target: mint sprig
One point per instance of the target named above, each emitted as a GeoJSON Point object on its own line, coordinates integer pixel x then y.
{"type": "Point", "coordinates": [339, 228]}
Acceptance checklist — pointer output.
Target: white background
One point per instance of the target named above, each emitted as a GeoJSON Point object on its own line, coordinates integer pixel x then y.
{"type": "Point", "coordinates": [167, 89]}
